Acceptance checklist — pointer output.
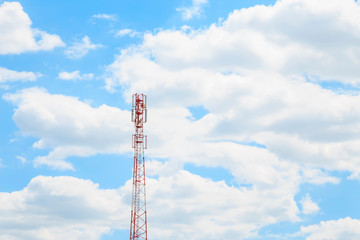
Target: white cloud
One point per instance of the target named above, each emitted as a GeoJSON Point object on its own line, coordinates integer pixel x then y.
{"type": "Point", "coordinates": [1, 164]}
{"type": "Point", "coordinates": [336, 150]}
{"type": "Point", "coordinates": [272, 117]}
{"type": "Point", "coordinates": [249, 73]}
{"type": "Point", "coordinates": [72, 128]}
{"type": "Point", "coordinates": [75, 75]}
{"type": "Point", "coordinates": [4, 87]}
{"type": "Point", "coordinates": [318, 177]}
{"type": "Point", "coordinates": [61, 208]}
{"type": "Point", "coordinates": [17, 36]}
{"type": "Point", "coordinates": [194, 10]}
{"type": "Point", "coordinates": [69, 127]}
{"type": "Point", "coordinates": [186, 206]}
{"type": "Point", "coordinates": [242, 76]}
{"type": "Point", "coordinates": [80, 49]}
{"type": "Point", "coordinates": [318, 38]}
{"type": "Point", "coordinates": [354, 176]}
{"type": "Point", "coordinates": [251, 81]}
{"type": "Point", "coordinates": [127, 32]}
{"type": "Point", "coordinates": [308, 206]}
{"type": "Point", "coordinates": [22, 159]}
{"type": "Point", "coordinates": [109, 17]}
{"type": "Point", "coordinates": [345, 228]}
{"type": "Point", "coordinates": [181, 206]}
{"type": "Point", "coordinates": [7, 75]}
{"type": "Point", "coordinates": [291, 37]}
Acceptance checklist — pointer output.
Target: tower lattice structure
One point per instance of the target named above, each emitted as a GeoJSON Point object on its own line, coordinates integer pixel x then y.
{"type": "Point", "coordinates": [138, 225]}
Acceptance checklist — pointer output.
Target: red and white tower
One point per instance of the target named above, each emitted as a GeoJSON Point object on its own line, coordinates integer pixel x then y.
{"type": "Point", "coordinates": [138, 225]}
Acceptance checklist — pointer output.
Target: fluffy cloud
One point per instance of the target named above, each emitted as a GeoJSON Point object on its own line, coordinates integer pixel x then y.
{"type": "Point", "coordinates": [346, 228]}
{"type": "Point", "coordinates": [240, 72]}
{"type": "Point", "coordinates": [255, 77]}
{"type": "Point", "coordinates": [75, 75]}
{"type": "Point", "coordinates": [193, 11]}
{"type": "Point", "coordinates": [61, 207]}
{"type": "Point", "coordinates": [318, 177]}
{"type": "Point", "coordinates": [17, 36]}
{"type": "Point", "coordinates": [7, 75]}
{"type": "Point", "coordinates": [290, 37]}
{"type": "Point", "coordinates": [69, 127]}
{"type": "Point", "coordinates": [81, 48]}
{"type": "Point", "coordinates": [317, 38]}
{"type": "Point", "coordinates": [297, 120]}
{"type": "Point", "coordinates": [330, 154]}
{"type": "Point", "coordinates": [258, 74]}
{"type": "Point", "coordinates": [180, 206]}
{"type": "Point", "coordinates": [308, 206]}
{"type": "Point", "coordinates": [187, 206]}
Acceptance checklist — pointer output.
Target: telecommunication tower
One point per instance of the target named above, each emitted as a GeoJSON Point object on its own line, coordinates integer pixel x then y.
{"type": "Point", "coordinates": [138, 224]}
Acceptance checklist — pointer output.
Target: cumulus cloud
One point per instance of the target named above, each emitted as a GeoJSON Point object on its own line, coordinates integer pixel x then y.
{"type": "Point", "coordinates": [61, 207]}
{"type": "Point", "coordinates": [308, 206]}
{"type": "Point", "coordinates": [7, 75]}
{"type": "Point", "coordinates": [68, 126]}
{"type": "Point", "coordinates": [290, 37]}
{"type": "Point", "coordinates": [345, 228]}
{"type": "Point", "coordinates": [75, 75]}
{"type": "Point", "coordinates": [73, 128]}
{"type": "Point", "coordinates": [81, 48]}
{"type": "Point", "coordinates": [180, 206]}
{"type": "Point", "coordinates": [297, 120]}
{"type": "Point", "coordinates": [192, 11]}
{"type": "Point", "coordinates": [255, 77]}
{"type": "Point", "coordinates": [258, 74]}
{"type": "Point", "coordinates": [187, 206]}
{"type": "Point", "coordinates": [17, 35]}
{"type": "Point", "coordinates": [240, 73]}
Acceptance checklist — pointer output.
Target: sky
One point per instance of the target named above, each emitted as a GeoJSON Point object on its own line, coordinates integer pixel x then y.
{"type": "Point", "coordinates": [253, 118]}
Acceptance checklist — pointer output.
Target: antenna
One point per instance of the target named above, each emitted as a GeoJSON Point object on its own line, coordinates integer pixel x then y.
{"type": "Point", "coordinates": [138, 224]}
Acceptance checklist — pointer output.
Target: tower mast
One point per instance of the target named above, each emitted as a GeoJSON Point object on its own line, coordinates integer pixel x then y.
{"type": "Point", "coordinates": [138, 224]}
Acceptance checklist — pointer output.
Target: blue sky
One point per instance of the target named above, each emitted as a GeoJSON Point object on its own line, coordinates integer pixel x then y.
{"type": "Point", "coordinates": [253, 126]}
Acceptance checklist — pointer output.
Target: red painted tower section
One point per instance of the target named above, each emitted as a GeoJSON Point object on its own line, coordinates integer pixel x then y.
{"type": "Point", "coordinates": [138, 225]}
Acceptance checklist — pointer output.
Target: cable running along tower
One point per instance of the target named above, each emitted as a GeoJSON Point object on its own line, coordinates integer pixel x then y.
{"type": "Point", "coordinates": [138, 224]}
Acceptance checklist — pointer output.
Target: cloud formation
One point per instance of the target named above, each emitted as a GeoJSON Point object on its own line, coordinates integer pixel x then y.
{"type": "Point", "coordinates": [345, 228]}
{"type": "Point", "coordinates": [269, 121]}
{"type": "Point", "coordinates": [290, 37]}
{"type": "Point", "coordinates": [81, 48]}
{"type": "Point", "coordinates": [61, 208]}
{"type": "Point", "coordinates": [240, 73]}
{"type": "Point", "coordinates": [75, 75]}
{"type": "Point", "coordinates": [69, 127]}
{"type": "Point", "coordinates": [7, 75]}
{"type": "Point", "coordinates": [17, 35]}
{"type": "Point", "coordinates": [308, 206]}
{"type": "Point", "coordinates": [259, 75]}
{"type": "Point", "coordinates": [192, 11]}
{"type": "Point", "coordinates": [186, 206]}
{"type": "Point", "coordinates": [72, 208]}
{"type": "Point", "coordinates": [22, 159]}
{"type": "Point", "coordinates": [127, 32]}
{"type": "Point", "coordinates": [109, 17]}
